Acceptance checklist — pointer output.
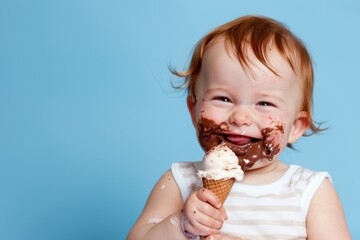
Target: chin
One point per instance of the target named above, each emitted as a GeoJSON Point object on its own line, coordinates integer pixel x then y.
{"type": "Point", "coordinates": [261, 163]}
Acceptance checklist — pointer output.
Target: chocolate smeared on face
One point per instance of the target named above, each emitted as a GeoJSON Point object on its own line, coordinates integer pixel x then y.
{"type": "Point", "coordinates": [211, 134]}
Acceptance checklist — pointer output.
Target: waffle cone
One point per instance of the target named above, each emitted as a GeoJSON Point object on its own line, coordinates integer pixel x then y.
{"type": "Point", "coordinates": [221, 188]}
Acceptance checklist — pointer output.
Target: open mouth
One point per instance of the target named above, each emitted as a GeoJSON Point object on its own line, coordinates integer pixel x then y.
{"type": "Point", "coordinates": [248, 149]}
{"type": "Point", "coordinates": [240, 140]}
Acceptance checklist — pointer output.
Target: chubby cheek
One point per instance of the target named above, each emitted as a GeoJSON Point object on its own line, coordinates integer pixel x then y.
{"type": "Point", "coordinates": [204, 111]}
{"type": "Point", "coordinates": [283, 139]}
{"type": "Point", "coordinates": [279, 131]}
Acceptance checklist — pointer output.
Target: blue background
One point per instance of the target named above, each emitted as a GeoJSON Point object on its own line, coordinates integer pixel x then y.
{"type": "Point", "coordinates": [89, 121]}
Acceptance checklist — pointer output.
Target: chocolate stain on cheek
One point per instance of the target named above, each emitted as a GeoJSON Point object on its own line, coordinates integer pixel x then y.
{"type": "Point", "coordinates": [211, 134]}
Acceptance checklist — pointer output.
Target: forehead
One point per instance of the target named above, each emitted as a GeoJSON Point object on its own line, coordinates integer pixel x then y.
{"type": "Point", "coordinates": [220, 56]}
{"type": "Point", "coordinates": [223, 71]}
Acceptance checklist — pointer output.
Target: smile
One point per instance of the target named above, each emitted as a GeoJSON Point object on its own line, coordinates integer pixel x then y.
{"type": "Point", "coordinates": [245, 147]}
{"type": "Point", "coordinates": [239, 140]}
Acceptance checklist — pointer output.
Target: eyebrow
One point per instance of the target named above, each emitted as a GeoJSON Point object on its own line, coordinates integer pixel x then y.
{"type": "Point", "coordinates": [272, 96]}
{"type": "Point", "coordinates": [215, 89]}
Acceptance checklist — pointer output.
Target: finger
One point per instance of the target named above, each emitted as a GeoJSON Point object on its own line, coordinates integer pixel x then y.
{"type": "Point", "coordinates": [206, 195]}
{"type": "Point", "coordinates": [224, 215]}
{"type": "Point", "coordinates": [211, 198]}
{"type": "Point", "coordinates": [209, 210]}
{"type": "Point", "coordinates": [205, 216]}
{"type": "Point", "coordinates": [209, 221]}
{"type": "Point", "coordinates": [194, 224]}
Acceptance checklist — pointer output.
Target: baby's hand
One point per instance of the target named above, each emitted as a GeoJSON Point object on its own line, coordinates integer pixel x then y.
{"type": "Point", "coordinates": [203, 213]}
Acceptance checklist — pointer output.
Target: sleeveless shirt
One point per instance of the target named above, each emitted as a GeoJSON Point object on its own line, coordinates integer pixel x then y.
{"type": "Point", "coordinates": [260, 212]}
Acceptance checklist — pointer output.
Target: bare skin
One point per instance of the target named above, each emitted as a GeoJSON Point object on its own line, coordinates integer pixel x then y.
{"type": "Point", "coordinates": [325, 218]}
{"type": "Point", "coordinates": [162, 213]}
{"type": "Point", "coordinates": [249, 103]}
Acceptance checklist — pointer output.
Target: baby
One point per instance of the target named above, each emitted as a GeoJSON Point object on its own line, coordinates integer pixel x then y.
{"type": "Point", "coordinates": [246, 76]}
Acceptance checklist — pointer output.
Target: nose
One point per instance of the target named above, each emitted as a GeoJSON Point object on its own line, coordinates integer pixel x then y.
{"type": "Point", "coordinates": [241, 116]}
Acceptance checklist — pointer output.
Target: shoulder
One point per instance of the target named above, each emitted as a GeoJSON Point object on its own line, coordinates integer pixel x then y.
{"type": "Point", "coordinates": [306, 181]}
{"type": "Point", "coordinates": [185, 176]}
{"type": "Point", "coordinates": [326, 219]}
{"type": "Point", "coordinates": [320, 203]}
{"type": "Point", "coordinates": [164, 198]}
{"type": "Point", "coordinates": [163, 201]}
{"type": "Point", "coordinates": [302, 176]}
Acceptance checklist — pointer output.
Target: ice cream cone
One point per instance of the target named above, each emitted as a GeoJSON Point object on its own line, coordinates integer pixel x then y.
{"type": "Point", "coordinates": [219, 171]}
{"type": "Point", "coordinates": [221, 188]}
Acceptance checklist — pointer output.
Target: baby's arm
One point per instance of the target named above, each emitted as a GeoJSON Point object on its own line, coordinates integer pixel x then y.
{"type": "Point", "coordinates": [326, 219]}
{"type": "Point", "coordinates": [161, 217]}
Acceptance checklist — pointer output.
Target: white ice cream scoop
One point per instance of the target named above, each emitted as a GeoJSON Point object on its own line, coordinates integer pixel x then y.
{"type": "Point", "coordinates": [221, 163]}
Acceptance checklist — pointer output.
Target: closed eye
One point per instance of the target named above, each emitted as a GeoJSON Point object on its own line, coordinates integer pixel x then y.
{"type": "Point", "coordinates": [222, 99]}
{"type": "Point", "coordinates": [266, 104]}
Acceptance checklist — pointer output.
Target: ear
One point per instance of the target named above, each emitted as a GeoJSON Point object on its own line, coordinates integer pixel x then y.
{"type": "Point", "coordinates": [300, 125]}
{"type": "Point", "coordinates": [191, 102]}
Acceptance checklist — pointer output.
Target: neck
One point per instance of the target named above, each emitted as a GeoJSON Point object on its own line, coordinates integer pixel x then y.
{"type": "Point", "coordinates": [265, 174]}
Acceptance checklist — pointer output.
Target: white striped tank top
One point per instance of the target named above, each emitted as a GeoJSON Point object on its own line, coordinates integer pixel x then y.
{"type": "Point", "coordinates": [261, 212]}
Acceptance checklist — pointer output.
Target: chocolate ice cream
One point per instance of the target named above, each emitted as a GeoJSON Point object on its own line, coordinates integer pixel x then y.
{"type": "Point", "coordinates": [211, 134]}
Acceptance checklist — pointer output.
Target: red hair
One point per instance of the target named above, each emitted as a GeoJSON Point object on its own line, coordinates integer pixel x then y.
{"type": "Point", "coordinates": [260, 34]}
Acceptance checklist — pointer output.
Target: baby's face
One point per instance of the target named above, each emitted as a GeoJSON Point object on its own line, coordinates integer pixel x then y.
{"type": "Point", "coordinates": [248, 101]}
